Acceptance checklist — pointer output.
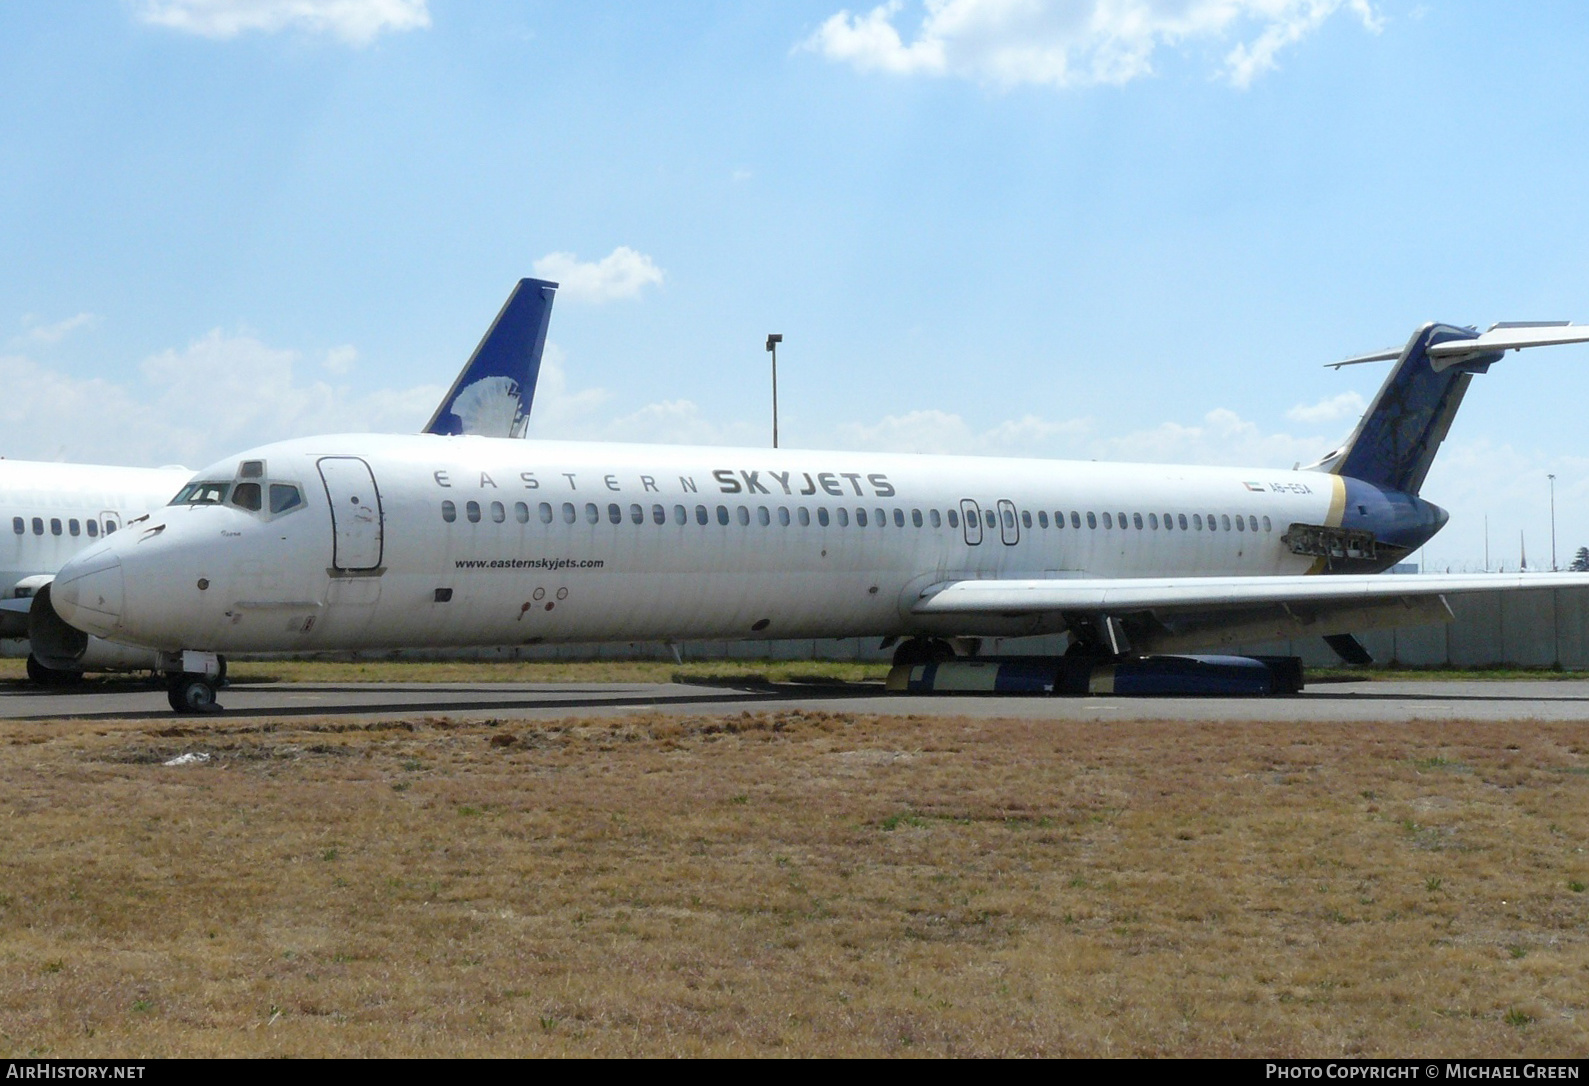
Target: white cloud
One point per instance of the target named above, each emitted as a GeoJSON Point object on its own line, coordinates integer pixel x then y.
{"type": "Point", "coordinates": [1348, 405]}
{"type": "Point", "coordinates": [339, 360]}
{"type": "Point", "coordinates": [622, 273]}
{"type": "Point", "coordinates": [1063, 43]}
{"type": "Point", "coordinates": [220, 394]}
{"type": "Point", "coordinates": [356, 22]}
{"type": "Point", "coordinates": [54, 333]}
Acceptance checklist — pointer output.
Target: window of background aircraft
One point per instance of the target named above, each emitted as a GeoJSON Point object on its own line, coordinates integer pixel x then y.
{"type": "Point", "coordinates": [472, 511]}
{"type": "Point", "coordinates": [449, 512]}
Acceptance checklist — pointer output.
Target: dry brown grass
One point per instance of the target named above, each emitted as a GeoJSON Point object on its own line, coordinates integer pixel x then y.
{"type": "Point", "coordinates": [793, 884]}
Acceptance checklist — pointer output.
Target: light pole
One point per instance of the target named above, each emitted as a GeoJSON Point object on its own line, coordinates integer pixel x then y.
{"type": "Point", "coordinates": [1552, 479]}
{"type": "Point", "coordinates": [772, 346]}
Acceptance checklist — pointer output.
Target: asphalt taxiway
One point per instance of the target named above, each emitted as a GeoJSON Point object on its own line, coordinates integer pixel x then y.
{"type": "Point", "coordinates": [1321, 702]}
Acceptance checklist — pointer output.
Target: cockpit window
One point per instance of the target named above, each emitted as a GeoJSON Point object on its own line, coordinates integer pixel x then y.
{"type": "Point", "coordinates": [247, 496]}
{"type": "Point", "coordinates": [284, 496]}
{"type": "Point", "coordinates": [202, 494]}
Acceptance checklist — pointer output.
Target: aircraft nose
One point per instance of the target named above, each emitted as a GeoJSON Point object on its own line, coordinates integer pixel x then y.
{"type": "Point", "coordinates": [87, 593]}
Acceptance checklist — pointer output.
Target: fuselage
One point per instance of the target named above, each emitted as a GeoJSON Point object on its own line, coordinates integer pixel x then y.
{"type": "Point", "coordinates": [366, 541]}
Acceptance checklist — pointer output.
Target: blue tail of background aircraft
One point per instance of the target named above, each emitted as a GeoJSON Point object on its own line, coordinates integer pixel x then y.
{"type": "Point", "coordinates": [493, 394]}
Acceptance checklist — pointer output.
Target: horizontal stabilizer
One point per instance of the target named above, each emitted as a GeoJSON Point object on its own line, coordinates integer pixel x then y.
{"type": "Point", "coordinates": [1507, 337]}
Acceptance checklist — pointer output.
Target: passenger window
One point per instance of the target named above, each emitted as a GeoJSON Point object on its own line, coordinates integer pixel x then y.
{"type": "Point", "coordinates": [1026, 519]}
{"type": "Point", "coordinates": [570, 514]}
{"type": "Point", "coordinates": [472, 511]}
{"type": "Point", "coordinates": [701, 516]}
{"type": "Point", "coordinates": [844, 517]}
{"type": "Point", "coordinates": [18, 525]}
{"type": "Point", "coordinates": [742, 515]}
{"type": "Point", "coordinates": [659, 515]}
{"type": "Point", "coordinates": [1122, 520]}
{"type": "Point", "coordinates": [55, 525]}
{"type": "Point", "coordinates": [449, 512]}
{"type": "Point", "coordinates": [1180, 521]}
{"type": "Point", "coordinates": [1252, 523]}
{"type": "Point", "coordinates": [1266, 526]}
{"type": "Point", "coordinates": [521, 512]}
{"type": "Point", "coordinates": [1092, 520]}
{"type": "Point", "coordinates": [499, 513]}
{"type": "Point", "coordinates": [1042, 518]}
{"type": "Point", "coordinates": [545, 512]}
{"type": "Point", "coordinates": [1224, 521]}
{"type": "Point", "coordinates": [1153, 522]}
{"type": "Point", "coordinates": [763, 517]}
{"type": "Point", "coordinates": [860, 518]}
{"type": "Point", "coordinates": [899, 518]}
{"type": "Point", "coordinates": [592, 514]}
{"type": "Point", "coordinates": [614, 513]}
{"type": "Point", "coordinates": [38, 525]}
{"type": "Point", "coordinates": [1197, 522]}
{"type": "Point", "coordinates": [1107, 523]}
{"type": "Point", "coordinates": [637, 515]}
{"type": "Point", "coordinates": [954, 518]}
{"type": "Point", "coordinates": [1169, 521]}
{"type": "Point", "coordinates": [822, 515]}
{"type": "Point", "coordinates": [804, 516]}
{"type": "Point", "coordinates": [722, 515]}
{"type": "Point", "coordinates": [1075, 519]}
{"type": "Point", "coordinates": [783, 515]}
{"type": "Point", "coordinates": [93, 528]}
{"type": "Point", "coordinates": [1136, 521]}
{"type": "Point", "coordinates": [1241, 524]}
{"type": "Point", "coordinates": [915, 517]}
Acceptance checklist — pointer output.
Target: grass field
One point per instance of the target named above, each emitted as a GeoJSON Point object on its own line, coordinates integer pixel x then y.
{"type": "Point", "coordinates": [793, 884]}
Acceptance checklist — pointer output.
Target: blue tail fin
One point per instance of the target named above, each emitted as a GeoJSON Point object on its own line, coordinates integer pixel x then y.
{"type": "Point", "coordinates": [493, 394]}
{"type": "Point", "coordinates": [1396, 441]}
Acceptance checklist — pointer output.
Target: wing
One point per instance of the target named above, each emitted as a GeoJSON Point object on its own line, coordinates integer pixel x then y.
{"type": "Point", "coordinates": [1178, 614]}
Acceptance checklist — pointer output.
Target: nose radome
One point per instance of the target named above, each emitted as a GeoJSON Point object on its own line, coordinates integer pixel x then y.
{"type": "Point", "coordinates": [87, 593]}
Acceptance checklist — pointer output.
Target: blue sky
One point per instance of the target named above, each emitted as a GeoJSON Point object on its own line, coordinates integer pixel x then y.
{"type": "Point", "coordinates": [1127, 231]}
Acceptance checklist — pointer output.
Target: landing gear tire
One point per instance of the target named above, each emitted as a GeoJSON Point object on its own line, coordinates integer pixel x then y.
{"type": "Point", "coordinates": [923, 650]}
{"type": "Point", "coordinates": [190, 694]}
{"type": "Point", "coordinates": [51, 676]}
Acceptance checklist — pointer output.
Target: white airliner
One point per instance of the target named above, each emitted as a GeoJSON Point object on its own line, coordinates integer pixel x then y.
{"type": "Point", "coordinates": [363, 541]}
{"type": "Point", "coordinates": [54, 510]}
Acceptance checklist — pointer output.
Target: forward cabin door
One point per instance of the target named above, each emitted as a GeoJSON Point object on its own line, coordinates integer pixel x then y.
{"type": "Point", "coordinates": [356, 522]}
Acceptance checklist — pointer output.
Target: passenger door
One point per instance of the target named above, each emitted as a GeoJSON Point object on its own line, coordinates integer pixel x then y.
{"type": "Point", "coordinates": [356, 522]}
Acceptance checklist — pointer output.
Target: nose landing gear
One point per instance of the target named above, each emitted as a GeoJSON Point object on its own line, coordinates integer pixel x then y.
{"type": "Point", "coordinates": [192, 683]}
